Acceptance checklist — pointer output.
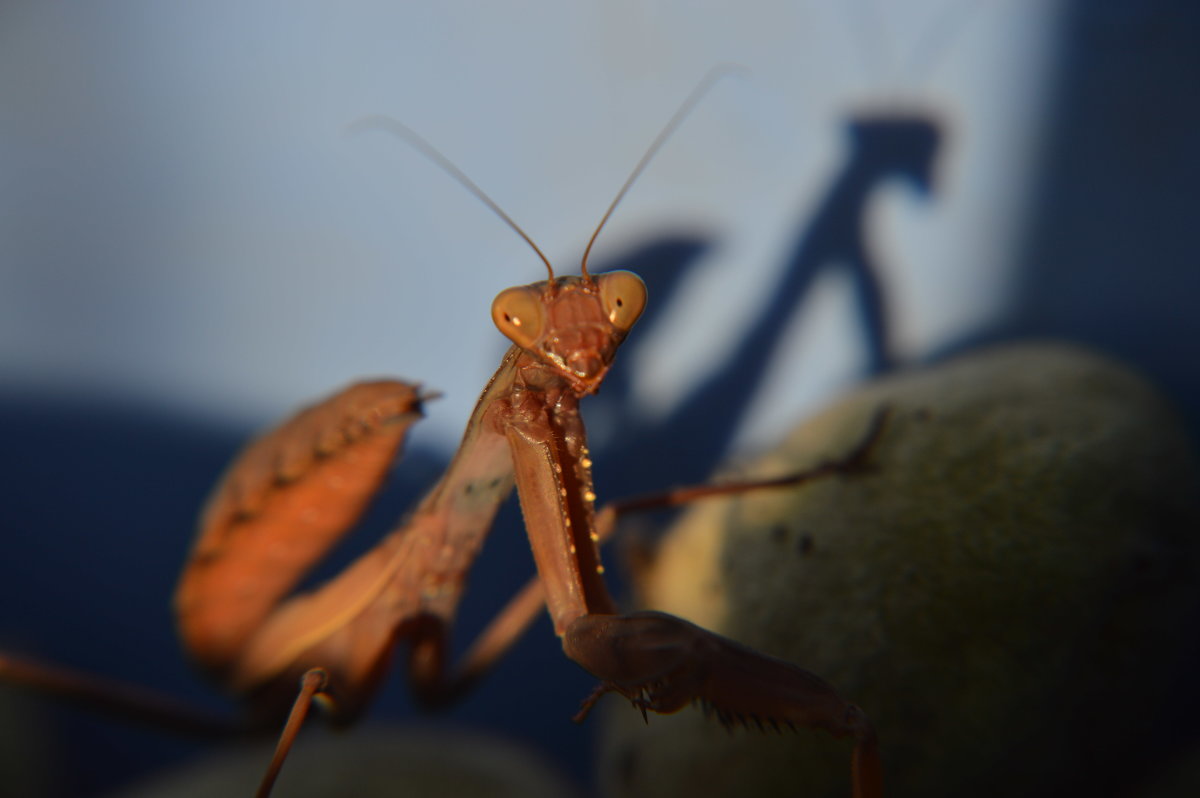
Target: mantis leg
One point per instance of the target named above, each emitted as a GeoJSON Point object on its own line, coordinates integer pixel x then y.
{"type": "Point", "coordinates": [312, 683]}
{"type": "Point", "coordinates": [663, 663]}
{"type": "Point", "coordinates": [853, 461]}
{"type": "Point", "coordinates": [121, 699]}
{"type": "Point", "coordinates": [431, 683]}
{"type": "Point", "coordinates": [427, 664]}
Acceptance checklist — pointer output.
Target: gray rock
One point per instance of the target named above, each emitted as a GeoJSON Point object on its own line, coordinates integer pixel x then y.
{"type": "Point", "coordinates": [26, 746]}
{"type": "Point", "coordinates": [1009, 592]}
{"type": "Point", "coordinates": [414, 761]}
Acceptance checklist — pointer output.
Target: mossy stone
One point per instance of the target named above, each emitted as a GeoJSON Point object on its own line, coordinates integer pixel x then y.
{"type": "Point", "coordinates": [371, 761]}
{"type": "Point", "coordinates": [1009, 591]}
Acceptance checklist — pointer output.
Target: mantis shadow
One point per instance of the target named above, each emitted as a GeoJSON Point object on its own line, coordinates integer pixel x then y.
{"type": "Point", "coordinates": [689, 442]}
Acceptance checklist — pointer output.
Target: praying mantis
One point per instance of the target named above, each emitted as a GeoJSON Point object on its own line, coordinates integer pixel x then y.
{"type": "Point", "coordinates": [291, 494]}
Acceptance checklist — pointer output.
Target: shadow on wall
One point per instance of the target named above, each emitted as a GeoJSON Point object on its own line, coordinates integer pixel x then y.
{"type": "Point", "coordinates": [1111, 257]}
{"type": "Point", "coordinates": [880, 148]}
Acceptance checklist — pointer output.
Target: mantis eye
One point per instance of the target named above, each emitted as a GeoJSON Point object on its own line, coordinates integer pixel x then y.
{"type": "Point", "coordinates": [517, 312]}
{"type": "Point", "coordinates": [624, 297]}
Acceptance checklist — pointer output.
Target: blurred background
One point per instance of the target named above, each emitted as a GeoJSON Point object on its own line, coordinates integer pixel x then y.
{"type": "Point", "coordinates": [191, 247]}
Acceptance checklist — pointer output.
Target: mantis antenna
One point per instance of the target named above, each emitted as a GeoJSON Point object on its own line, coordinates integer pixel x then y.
{"type": "Point", "coordinates": [673, 123]}
{"type": "Point", "coordinates": [431, 152]}
{"type": "Point", "coordinates": [414, 139]}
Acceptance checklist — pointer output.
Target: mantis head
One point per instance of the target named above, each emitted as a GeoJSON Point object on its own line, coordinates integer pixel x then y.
{"type": "Point", "coordinates": [572, 324]}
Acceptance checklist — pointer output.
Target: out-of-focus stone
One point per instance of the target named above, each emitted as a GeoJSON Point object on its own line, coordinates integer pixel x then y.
{"type": "Point", "coordinates": [369, 762]}
{"type": "Point", "coordinates": [1009, 592]}
{"type": "Point", "coordinates": [1178, 779]}
{"type": "Point", "coordinates": [25, 750]}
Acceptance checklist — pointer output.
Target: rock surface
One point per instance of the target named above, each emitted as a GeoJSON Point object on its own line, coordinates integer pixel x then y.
{"type": "Point", "coordinates": [25, 745]}
{"type": "Point", "coordinates": [1009, 592]}
{"type": "Point", "coordinates": [368, 762]}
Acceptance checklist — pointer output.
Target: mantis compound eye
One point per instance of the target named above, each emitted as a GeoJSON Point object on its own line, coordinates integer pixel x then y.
{"type": "Point", "coordinates": [624, 297]}
{"type": "Point", "coordinates": [518, 313]}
